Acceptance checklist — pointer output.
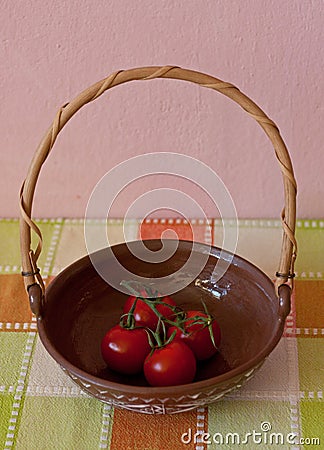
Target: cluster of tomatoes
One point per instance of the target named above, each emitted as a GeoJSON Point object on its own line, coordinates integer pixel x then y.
{"type": "Point", "coordinates": [158, 338]}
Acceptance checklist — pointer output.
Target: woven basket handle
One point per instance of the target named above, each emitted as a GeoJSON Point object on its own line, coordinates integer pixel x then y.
{"type": "Point", "coordinates": [33, 280]}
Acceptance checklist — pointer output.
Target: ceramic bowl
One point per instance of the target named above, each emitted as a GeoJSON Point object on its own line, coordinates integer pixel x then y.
{"type": "Point", "coordinates": [80, 306]}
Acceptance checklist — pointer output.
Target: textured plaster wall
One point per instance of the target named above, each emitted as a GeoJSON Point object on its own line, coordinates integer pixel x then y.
{"type": "Point", "coordinates": [272, 50]}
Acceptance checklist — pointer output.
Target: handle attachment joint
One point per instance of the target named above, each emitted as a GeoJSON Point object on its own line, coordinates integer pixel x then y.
{"type": "Point", "coordinates": [31, 274]}
{"type": "Point", "coordinates": [35, 294]}
{"type": "Point", "coordinates": [284, 292]}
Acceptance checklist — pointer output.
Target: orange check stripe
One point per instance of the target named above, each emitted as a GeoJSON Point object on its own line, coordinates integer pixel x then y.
{"type": "Point", "coordinates": [136, 431]}
{"type": "Point", "coordinates": [309, 303]}
{"type": "Point", "coordinates": [14, 304]}
{"type": "Point", "coordinates": [183, 230]}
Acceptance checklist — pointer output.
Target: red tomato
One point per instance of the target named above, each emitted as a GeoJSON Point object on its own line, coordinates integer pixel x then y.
{"type": "Point", "coordinates": [197, 335]}
{"type": "Point", "coordinates": [170, 365]}
{"type": "Point", "coordinates": [144, 315]}
{"type": "Point", "coordinates": [125, 350]}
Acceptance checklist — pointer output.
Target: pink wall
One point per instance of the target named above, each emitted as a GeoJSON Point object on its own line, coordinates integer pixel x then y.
{"type": "Point", "coordinates": [272, 50]}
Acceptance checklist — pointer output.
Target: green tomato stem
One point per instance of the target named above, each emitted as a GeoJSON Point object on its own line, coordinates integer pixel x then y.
{"type": "Point", "coordinates": [154, 300]}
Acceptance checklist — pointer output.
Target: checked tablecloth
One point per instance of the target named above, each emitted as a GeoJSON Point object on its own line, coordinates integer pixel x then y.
{"type": "Point", "coordinates": [40, 407]}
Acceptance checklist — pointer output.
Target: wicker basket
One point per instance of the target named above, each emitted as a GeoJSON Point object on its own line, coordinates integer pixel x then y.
{"type": "Point", "coordinates": [45, 303]}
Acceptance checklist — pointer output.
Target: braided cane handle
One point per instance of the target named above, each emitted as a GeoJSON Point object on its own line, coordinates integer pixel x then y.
{"type": "Point", "coordinates": [33, 280]}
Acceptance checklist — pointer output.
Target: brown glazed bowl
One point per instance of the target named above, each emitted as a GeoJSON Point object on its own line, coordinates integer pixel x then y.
{"type": "Point", "coordinates": [80, 307]}
{"type": "Point", "coordinates": [76, 310]}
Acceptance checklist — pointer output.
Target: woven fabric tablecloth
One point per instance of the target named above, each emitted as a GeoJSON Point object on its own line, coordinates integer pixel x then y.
{"type": "Point", "coordinates": [40, 407]}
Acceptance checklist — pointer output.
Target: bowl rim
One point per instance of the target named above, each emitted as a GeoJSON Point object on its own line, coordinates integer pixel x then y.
{"type": "Point", "coordinates": [195, 386]}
